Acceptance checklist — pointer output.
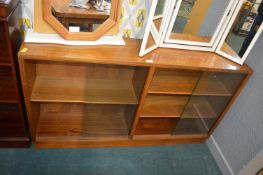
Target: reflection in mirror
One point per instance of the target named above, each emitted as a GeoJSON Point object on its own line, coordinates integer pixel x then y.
{"type": "Point", "coordinates": [197, 21]}
{"type": "Point", "coordinates": [81, 15]}
{"type": "Point", "coordinates": [244, 29]}
{"type": "Point", "coordinates": [158, 15]}
{"type": "Point", "coordinates": [150, 41]}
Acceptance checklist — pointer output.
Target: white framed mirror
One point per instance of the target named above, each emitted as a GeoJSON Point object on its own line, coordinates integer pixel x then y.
{"type": "Point", "coordinates": [197, 24]}
{"type": "Point", "coordinates": [231, 30]}
{"type": "Point", "coordinates": [243, 31]}
{"type": "Point", "coordinates": [155, 25]}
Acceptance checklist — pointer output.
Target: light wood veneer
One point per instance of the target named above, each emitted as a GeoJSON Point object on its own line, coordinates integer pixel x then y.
{"type": "Point", "coordinates": [97, 96]}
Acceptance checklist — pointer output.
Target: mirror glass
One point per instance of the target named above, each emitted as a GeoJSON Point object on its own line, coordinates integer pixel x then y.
{"type": "Point", "coordinates": [81, 15]}
{"type": "Point", "coordinates": [197, 20]}
{"type": "Point", "coordinates": [149, 38]}
{"type": "Point", "coordinates": [159, 14]}
{"type": "Point", "coordinates": [150, 41]}
{"type": "Point", "coordinates": [244, 29]}
{"type": "Point", "coordinates": [154, 26]}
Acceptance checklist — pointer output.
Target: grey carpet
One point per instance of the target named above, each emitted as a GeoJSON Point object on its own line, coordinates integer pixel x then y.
{"type": "Point", "coordinates": [170, 160]}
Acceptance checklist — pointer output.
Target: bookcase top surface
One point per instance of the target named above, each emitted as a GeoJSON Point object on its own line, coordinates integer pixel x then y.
{"type": "Point", "coordinates": [128, 55]}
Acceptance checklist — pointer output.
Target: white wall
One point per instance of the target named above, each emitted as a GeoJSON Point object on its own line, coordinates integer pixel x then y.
{"type": "Point", "coordinates": [213, 17]}
{"type": "Point", "coordinates": [240, 135]}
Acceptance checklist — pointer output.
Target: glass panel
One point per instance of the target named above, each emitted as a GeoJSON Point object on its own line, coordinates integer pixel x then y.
{"type": "Point", "coordinates": [155, 126]}
{"type": "Point", "coordinates": [84, 120]}
{"type": "Point", "coordinates": [170, 81]}
{"type": "Point", "coordinates": [210, 98]}
{"type": "Point", "coordinates": [159, 12]}
{"type": "Point", "coordinates": [197, 21]}
{"type": "Point", "coordinates": [4, 56]}
{"type": "Point", "coordinates": [150, 41]}
{"type": "Point", "coordinates": [151, 34]}
{"type": "Point", "coordinates": [81, 15]}
{"type": "Point", "coordinates": [200, 114]}
{"type": "Point", "coordinates": [244, 28]}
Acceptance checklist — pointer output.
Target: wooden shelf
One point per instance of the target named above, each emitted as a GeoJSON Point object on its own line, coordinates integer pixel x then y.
{"type": "Point", "coordinates": [217, 84]}
{"type": "Point", "coordinates": [169, 81]}
{"type": "Point", "coordinates": [155, 126]}
{"type": "Point", "coordinates": [8, 91]}
{"type": "Point", "coordinates": [5, 64]}
{"type": "Point", "coordinates": [4, 55]}
{"type": "Point", "coordinates": [168, 136]}
{"type": "Point", "coordinates": [101, 91]}
{"type": "Point", "coordinates": [187, 126]}
{"type": "Point", "coordinates": [79, 121]}
{"type": "Point", "coordinates": [199, 107]}
{"type": "Point", "coordinates": [164, 105]}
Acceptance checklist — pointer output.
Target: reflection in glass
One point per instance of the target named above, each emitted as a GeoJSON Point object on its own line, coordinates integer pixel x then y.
{"type": "Point", "coordinates": [159, 12]}
{"type": "Point", "coordinates": [244, 28]}
{"type": "Point", "coordinates": [197, 21]}
{"type": "Point", "coordinates": [81, 15]}
{"type": "Point", "coordinates": [208, 101]}
{"type": "Point", "coordinates": [183, 16]}
{"type": "Point", "coordinates": [160, 7]}
{"type": "Point", "coordinates": [150, 41]}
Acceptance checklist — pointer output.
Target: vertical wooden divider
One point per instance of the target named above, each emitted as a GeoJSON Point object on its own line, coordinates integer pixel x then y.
{"type": "Point", "coordinates": [142, 99]}
{"type": "Point", "coordinates": [26, 91]}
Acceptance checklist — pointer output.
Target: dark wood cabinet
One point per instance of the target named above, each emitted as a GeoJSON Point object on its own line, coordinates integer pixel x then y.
{"type": "Point", "coordinates": [13, 124]}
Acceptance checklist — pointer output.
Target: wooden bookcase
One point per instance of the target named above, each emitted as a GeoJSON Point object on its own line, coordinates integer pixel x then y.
{"type": "Point", "coordinates": [97, 96]}
{"type": "Point", "coordinates": [14, 130]}
{"type": "Point", "coordinates": [186, 103]}
{"type": "Point", "coordinates": [88, 100]}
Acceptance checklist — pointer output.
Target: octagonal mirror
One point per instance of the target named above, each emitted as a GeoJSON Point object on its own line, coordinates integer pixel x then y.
{"type": "Point", "coordinates": [81, 19]}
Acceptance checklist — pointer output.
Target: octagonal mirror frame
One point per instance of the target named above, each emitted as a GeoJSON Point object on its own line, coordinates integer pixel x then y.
{"type": "Point", "coordinates": [111, 22]}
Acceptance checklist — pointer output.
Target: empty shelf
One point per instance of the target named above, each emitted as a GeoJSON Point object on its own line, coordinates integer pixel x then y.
{"type": "Point", "coordinates": [199, 107]}
{"type": "Point", "coordinates": [81, 121]}
{"type": "Point", "coordinates": [164, 105]}
{"type": "Point", "coordinates": [174, 81]}
{"type": "Point", "coordinates": [210, 84]}
{"type": "Point", "coordinates": [102, 91]}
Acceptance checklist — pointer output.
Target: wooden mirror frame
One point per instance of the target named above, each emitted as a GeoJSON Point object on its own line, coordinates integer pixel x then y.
{"type": "Point", "coordinates": [111, 22]}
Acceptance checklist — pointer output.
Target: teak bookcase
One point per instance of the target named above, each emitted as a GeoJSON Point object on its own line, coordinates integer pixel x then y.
{"type": "Point", "coordinates": [98, 96]}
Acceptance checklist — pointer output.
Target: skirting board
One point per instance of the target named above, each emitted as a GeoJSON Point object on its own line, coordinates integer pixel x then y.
{"type": "Point", "coordinates": [254, 165]}
{"type": "Point", "coordinates": [219, 156]}
{"type": "Point", "coordinates": [32, 37]}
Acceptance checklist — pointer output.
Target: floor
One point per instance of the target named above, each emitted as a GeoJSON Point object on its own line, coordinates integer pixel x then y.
{"type": "Point", "coordinates": [170, 160]}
